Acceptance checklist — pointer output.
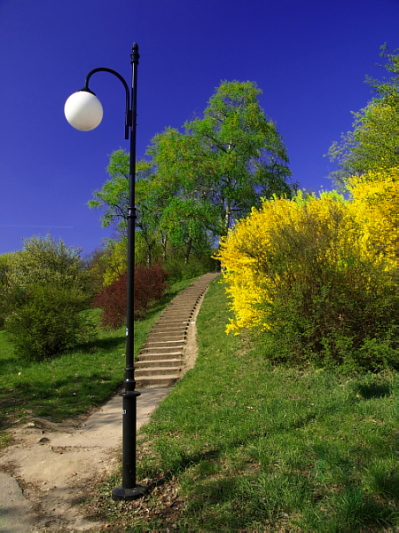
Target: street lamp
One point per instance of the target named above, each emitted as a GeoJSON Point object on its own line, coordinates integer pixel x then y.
{"type": "Point", "coordinates": [84, 111]}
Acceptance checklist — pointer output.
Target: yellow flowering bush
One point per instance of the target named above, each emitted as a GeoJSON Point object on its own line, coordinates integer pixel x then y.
{"type": "Point", "coordinates": [375, 205]}
{"type": "Point", "coordinates": [319, 273]}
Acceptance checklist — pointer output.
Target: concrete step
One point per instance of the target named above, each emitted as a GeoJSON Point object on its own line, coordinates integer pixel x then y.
{"type": "Point", "coordinates": [163, 348]}
{"type": "Point", "coordinates": [166, 336]}
{"type": "Point", "coordinates": [157, 381]}
{"type": "Point", "coordinates": [156, 371]}
{"type": "Point", "coordinates": [171, 321]}
{"type": "Point", "coordinates": [162, 328]}
{"type": "Point", "coordinates": [182, 306]}
{"type": "Point", "coordinates": [156, 356]}
{"type": "Point", "coordinates": [170, 342]}
{"type": "Point", "coordinates": [158, 363]}
{"type": "Point", "coordinates": [182, 319]}
{"type": "Point", "coordinates": [159, 356]}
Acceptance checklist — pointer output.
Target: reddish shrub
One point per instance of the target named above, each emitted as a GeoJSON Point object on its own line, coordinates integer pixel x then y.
{"type": "Point", "coordinates": [149, 286]}
{"type": "Point", "coordinates": [112, 301]}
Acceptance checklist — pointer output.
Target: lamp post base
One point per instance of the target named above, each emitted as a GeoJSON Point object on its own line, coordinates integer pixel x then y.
{"type": "Point", "coordinates": [119, 493]}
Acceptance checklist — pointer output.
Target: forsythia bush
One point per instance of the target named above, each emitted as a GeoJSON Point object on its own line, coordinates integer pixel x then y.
{"type": "Point", "coordinates": [320, 273]}
{"type": "Point", "coordinates": [375, 203]}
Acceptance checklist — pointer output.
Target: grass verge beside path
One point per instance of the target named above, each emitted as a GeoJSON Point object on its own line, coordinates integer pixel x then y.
{"type": "Point", "coordinates": [240, 444]}
{"type": "Point", "coordinates": [74, 382]}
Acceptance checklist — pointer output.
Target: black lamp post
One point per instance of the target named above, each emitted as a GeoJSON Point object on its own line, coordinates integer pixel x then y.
{"type": "Point", "coordinates": [84, 112]}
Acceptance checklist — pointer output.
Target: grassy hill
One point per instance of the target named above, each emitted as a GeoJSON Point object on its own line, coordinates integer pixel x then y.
{"type": "Point", "coordinates": [240, 444]}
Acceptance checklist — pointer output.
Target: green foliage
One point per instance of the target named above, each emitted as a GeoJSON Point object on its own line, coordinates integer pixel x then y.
{"type": "Point", "coordinates": [343, 313]}
{"type": "Point", "coordinates": [373, 144]}
{"type": "Point", "coordinates": [114, 195]}
{"type": "Point", "coordinates": [48, 290]}
{"type": "Point", "coordinates": [114, 261]}
{"type": "Point", "coordinates": [6, 301]}
{"type": "Point", "coordinates": [195, 184]}
{"type": "Point", "coordinates": [43, 260]}
{"type": "Point", "coordinates": [226, 160]}
{"type": "Point", "coordinates": [335, 323]}
{"type": "Point", "coordinates": [50, 321]}
{"type": "Point", "coordinates": [178, 269]}
{"type": "Point", "coordinates": [95, 267]}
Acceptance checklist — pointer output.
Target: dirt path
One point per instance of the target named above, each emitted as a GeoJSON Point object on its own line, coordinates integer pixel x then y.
{"type": "Point", "coordinates": [50, 467]}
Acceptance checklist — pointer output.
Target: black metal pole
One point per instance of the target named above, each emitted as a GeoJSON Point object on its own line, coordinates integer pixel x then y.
{"type": "Point", "coordinates": [129, 489]}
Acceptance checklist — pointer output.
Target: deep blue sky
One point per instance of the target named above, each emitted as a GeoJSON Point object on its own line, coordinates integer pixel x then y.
{"type": "Point", "coordinates": [309, 57]}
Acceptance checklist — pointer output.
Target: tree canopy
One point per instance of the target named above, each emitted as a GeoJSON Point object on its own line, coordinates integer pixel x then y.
{"type": "Point", "coordinates": [373, 144]}
{"type": "Point", "coordinates": [195, 183]}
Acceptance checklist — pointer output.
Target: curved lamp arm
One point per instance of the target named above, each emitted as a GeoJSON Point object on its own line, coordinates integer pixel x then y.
{"type": "Point", "coordinates": [83, 109]}
{"type": "Point", "coordinates": [128, 117]}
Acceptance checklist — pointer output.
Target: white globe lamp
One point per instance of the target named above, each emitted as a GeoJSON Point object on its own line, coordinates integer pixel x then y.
{"type": "Point", "coordinates": [83, 110]}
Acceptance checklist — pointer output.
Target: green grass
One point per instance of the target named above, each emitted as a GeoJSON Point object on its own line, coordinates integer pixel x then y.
{"type": "Point", "coordinates": [240, 444]}
{"type": "Point", "coordinates": [71, 384]}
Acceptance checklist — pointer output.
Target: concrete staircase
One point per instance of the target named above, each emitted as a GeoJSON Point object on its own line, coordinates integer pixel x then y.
{"type": "Point", "coordinates": [161, 360]}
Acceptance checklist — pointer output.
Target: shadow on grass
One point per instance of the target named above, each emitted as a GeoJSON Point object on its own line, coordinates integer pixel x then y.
{"type": "Point", "coordinates": [67, 398]}
{"type": "Point", "coordinates": [8, 364]}
{"type": "Point", "coordinates": [106, 343]}
{"type": "Point", "coordinates": [374, 390]}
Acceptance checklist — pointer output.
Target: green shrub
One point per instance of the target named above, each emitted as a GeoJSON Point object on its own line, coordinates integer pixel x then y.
{"type": "Point", "coordinates": [50, 321]}
{"type": "Point", "coordinates": [178, 270]}
{"type": "Point", "coordinates": [343, 313]}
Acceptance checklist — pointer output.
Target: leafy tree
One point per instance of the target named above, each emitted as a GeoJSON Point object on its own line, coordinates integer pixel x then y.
{"type": "Point", "coordinates": [227, 160]}
{"type": "Point", "coordinates": [185, 223]}
{"type": "Point", "coordinates": [373, 144]}
{"type": "Point", "coordinates": [113, 200]}
{"type": "Point", "coordinates": [49, 289]}
{"type": "Point", "coordinates": [114, 195]}
{"type": "Point", "coordinates": [95, 267]}
{"type": "Point", "coordinates": [195, 184]}
{"type": "Point", "coordinates": [152, 200]}
{"type": "Point", "coordinates": [114, 260]}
